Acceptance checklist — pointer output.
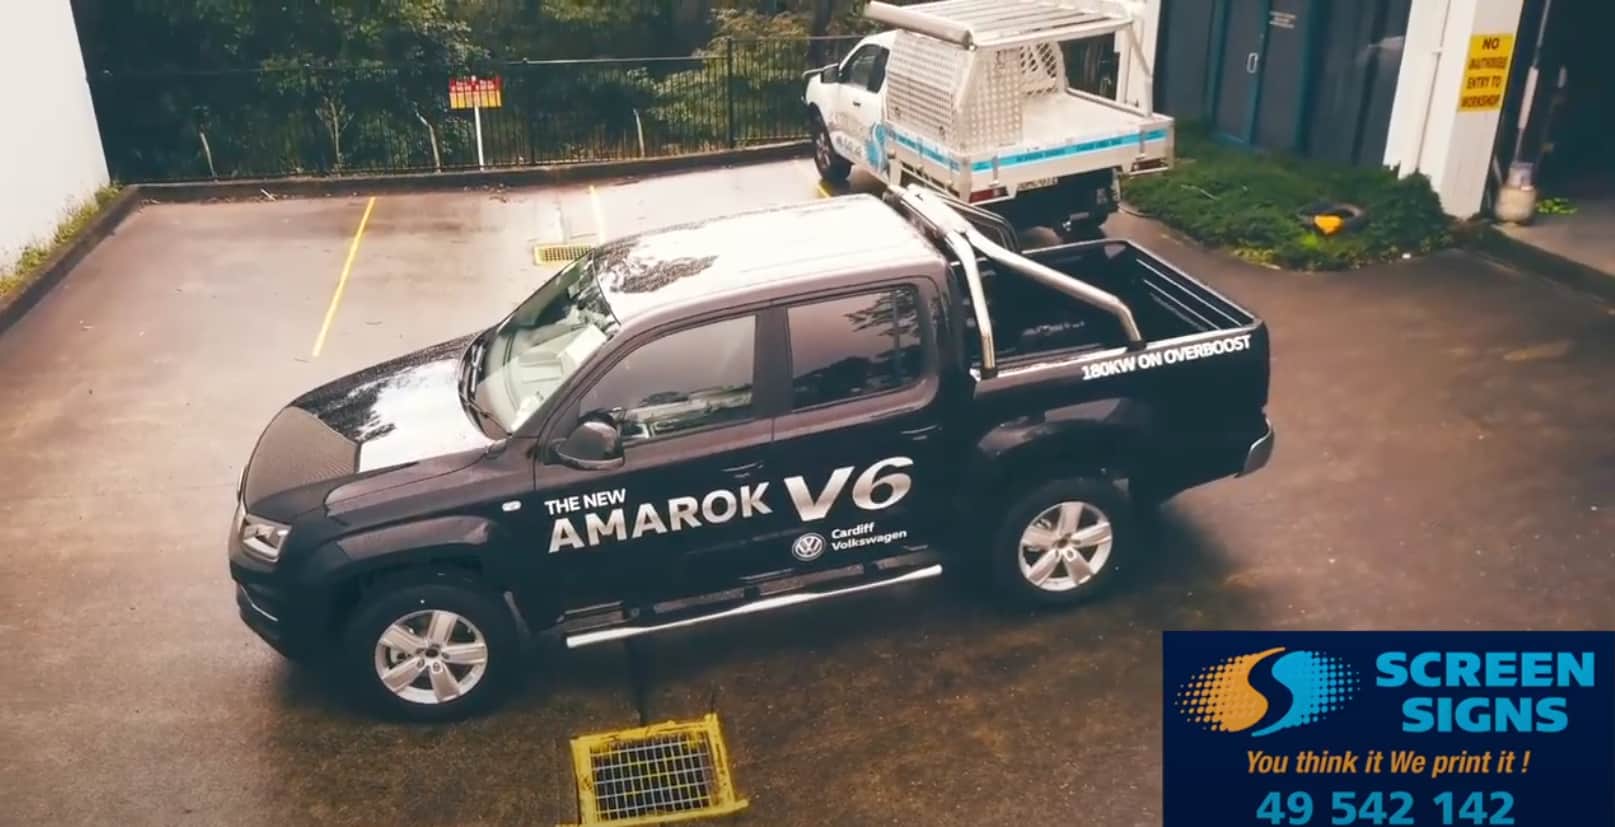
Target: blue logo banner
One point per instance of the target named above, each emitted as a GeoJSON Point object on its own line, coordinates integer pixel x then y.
{"type": "Point", "coordinates": [1389, 728]}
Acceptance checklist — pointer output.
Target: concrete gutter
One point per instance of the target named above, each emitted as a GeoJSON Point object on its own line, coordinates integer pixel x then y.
{"type": "Point", "coordinates": [1511, 251]}
{"type": "Point", "coordinates": [134, 196]}
{"type": "Point", "coordinates": [255, 188]}
{"type": "Point", "coordinates": [69, 255]}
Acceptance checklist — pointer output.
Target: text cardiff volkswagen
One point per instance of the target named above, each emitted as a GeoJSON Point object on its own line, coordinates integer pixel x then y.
{"type": "Point", "coordinates": [737, 415]}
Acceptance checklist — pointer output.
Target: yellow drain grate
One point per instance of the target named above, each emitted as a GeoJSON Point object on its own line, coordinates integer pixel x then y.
{"type": "Point", "coordinates": [552, 253]}
{"type": "Point", "coordinates": [675, 771]}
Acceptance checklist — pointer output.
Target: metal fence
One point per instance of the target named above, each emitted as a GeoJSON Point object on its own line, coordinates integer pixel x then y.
{"type": "Point", "coordinates": [311, 120]}
{"type": "Point", "coordinates": [323, 120]}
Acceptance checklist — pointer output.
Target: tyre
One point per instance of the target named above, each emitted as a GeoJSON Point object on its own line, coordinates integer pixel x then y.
{"type": "Point", "coordinates": [1062, 542]}
{"type": "Point", "coordinates": [440, 649]}
{"type": "Point", "coordinates": [833, 168]}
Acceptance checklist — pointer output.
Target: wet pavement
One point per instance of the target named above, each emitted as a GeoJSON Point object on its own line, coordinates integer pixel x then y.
{"type": "Point", "coordinates": [1446, 459]}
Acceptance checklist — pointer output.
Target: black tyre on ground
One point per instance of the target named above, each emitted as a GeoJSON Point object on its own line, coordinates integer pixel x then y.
{"type": "Point", "coordinates": [1062, 542]}
{"type": "Point", "coordinates": [833, 168]}
{"type": "Point", "coordinates": [431, 648]}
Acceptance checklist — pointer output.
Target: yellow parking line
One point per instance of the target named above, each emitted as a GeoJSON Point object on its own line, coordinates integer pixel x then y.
{"type": "Point", "coordinates": [342, 282]}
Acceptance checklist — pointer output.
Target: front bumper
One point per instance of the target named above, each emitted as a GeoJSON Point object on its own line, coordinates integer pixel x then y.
{"type": "Point", "coordinates": [273, 605]}
{"type": "Point", "coordinates": [1260, 452]}
{"type": "Point", "coordinates": [265, 614]}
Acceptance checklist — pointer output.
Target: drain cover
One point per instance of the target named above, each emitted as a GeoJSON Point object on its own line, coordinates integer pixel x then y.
{"type": "Point", "coordinates": [669, 772]}
{"type": "Point", "coordinates": [551, 253]}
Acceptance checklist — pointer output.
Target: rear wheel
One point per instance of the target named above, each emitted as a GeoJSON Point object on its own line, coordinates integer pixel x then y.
{"type": "Point", "coordinates": [1063, 542]}
{"type": "Point", "coordinates": [431, 651]}
{"type": "Point", "coordinates": [832, 167]}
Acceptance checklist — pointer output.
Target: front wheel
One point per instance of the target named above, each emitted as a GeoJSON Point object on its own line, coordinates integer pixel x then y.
{"type": "Point", "coordinates": [832, 168]}
{"type": "Point", "coordinates": [439, 650]}
{"type": "Point", "coordinates": [1062, 542]}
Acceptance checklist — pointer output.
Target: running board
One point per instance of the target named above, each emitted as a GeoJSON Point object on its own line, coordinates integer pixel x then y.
{"type": "Point", "coordinates": [762, 605]}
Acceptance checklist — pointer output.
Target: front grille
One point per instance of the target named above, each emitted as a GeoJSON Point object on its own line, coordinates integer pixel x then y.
{"type": "Point", "coordinates": [653, 775]}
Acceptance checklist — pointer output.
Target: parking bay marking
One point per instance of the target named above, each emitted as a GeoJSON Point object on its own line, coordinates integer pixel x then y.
{"type": "Point", "coordinates": [342, 281]}
{"type": "Point", "coordinates": [812, 174]}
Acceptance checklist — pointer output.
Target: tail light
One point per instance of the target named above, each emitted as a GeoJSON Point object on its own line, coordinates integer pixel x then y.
{"type": "Point", "coordinates": [988, 195]}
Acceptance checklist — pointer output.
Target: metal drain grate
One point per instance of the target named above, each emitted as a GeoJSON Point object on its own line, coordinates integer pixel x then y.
{"type": "Point", "coordinates": [552, 253]}
{"type": "Point", "coordinates": [654, 775]}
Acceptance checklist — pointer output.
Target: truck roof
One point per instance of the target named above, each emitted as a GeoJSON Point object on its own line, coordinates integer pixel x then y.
{"type": "Point", "coordinates": [746, 252]}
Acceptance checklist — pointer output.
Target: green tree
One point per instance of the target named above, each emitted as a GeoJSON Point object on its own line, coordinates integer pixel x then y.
{"type": "Point", "coordinates": [287, 87]}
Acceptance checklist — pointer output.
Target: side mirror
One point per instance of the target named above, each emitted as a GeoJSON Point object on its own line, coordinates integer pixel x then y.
{"type": "Point", "coordinates": [594, 445]}
{"type": "Point", "coordinates": [831, 73]}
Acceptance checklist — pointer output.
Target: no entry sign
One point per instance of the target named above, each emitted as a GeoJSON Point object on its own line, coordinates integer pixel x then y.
{"type": "Point", "coordinates": [476, 93]}
{"type": "Point", "coordinates": [1486, 72]}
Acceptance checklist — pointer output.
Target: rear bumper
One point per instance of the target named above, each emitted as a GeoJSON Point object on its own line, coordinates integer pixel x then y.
{"type": "Point", "coordinates": [1087, 197]}
{"type": "Point", "coordinates": [1260, 452]}
{"type": "Point", "coordinates": [1232, 450]}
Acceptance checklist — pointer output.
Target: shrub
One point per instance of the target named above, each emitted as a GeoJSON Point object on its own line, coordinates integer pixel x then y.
{"type": "Point", "coordinates": [1248, 202]}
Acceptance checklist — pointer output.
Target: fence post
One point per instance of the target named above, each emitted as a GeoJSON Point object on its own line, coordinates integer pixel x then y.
{"type": "Point", "coordinates": [729, 85]}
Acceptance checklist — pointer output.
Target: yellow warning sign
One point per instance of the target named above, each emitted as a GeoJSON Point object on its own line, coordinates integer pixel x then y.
{"type": "Point", "coordinates": [1486, 72]}
{"type": "Point", "coordinates": [476, 93]}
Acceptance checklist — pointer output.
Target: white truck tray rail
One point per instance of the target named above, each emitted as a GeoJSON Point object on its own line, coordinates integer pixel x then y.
{"type": "Point", "coordinates": [989, 24]}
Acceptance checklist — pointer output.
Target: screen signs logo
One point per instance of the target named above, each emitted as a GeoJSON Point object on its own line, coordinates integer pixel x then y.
{"type": "Point", "coordinates": [808, 547]}
{"type": "Point", "coordinates": [1301, 687]}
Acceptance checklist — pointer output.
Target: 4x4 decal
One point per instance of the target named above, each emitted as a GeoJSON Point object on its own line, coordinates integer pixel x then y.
{"type": "Point", "coordinates": [879, 487]}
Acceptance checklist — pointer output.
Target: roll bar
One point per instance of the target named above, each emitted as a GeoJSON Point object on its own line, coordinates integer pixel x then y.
{"type": "Point", "coordinates": [966, 243]}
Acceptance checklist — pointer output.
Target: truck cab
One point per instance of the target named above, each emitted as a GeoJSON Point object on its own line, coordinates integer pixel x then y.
{"type": "Point", "coordinates": [974, 100]}
{"type": "Point", "coordinates": [737, 415]}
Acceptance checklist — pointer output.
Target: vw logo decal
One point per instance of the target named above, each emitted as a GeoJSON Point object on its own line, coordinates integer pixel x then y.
{"type": "Point", "coordinates": [808, 547]}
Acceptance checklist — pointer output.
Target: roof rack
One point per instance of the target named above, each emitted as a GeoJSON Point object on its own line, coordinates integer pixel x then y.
{"type": "Point", "coordinates": [1002, 23]}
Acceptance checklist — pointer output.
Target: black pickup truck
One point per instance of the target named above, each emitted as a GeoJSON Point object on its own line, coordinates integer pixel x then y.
{"type": "Point", "coordinates": [738, 415]}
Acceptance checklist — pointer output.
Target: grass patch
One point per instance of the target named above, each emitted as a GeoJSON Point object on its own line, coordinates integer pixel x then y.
{"type": "Point", "coordinates": [22, 272]}
{"type": "Point", "coordinates": [1247, 202]}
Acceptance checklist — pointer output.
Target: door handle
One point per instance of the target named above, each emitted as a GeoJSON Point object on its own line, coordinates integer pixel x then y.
{"type": "Point", "coordinates": [1250, 62]}
{"type": "Point", "coordinates": [920, 434]}
{"type": "Point", "coordinates": [741, 472]}
{"type": "Point", "coordinates": [858, 104]}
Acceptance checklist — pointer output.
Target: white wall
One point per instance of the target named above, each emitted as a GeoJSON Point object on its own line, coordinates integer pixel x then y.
{"type": "Point", "coordinates": [50, 150]}
{"type": "Point", "coordinates": [1427, 132]}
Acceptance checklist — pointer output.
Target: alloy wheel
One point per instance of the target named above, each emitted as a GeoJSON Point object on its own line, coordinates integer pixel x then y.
{"type": "Point", "coordinates": [1065, 546]}
{"type": "Point", "coordinates": [431, 657]}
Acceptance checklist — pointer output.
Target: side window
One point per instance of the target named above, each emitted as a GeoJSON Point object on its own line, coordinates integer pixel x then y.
{"type": "Point", "coordinates": [852, 347]}
{"type": "Point", "coordinates": [691, 379]}
{"type": "Point", "coordinates": [861, 66]}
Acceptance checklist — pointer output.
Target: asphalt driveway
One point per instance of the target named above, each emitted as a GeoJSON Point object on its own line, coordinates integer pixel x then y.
{"type": "Point", "coordinates": [1446, 459]}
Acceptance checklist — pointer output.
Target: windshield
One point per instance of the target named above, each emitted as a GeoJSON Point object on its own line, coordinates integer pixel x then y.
{"type": "Point", "coordinates": [527, 357]}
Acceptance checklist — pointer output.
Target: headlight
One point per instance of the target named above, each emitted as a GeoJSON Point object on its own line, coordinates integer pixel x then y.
{"type": "Point", "coordinates": [261, 538]}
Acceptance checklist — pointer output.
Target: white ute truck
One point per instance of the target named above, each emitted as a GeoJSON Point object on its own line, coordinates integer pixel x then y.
{"type": "Point", "coordinates": [971, 97]}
